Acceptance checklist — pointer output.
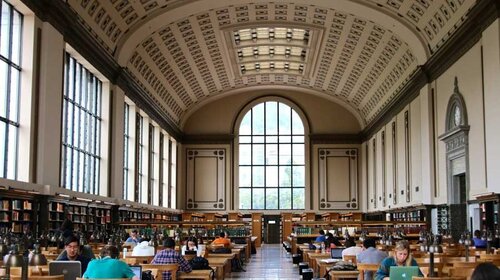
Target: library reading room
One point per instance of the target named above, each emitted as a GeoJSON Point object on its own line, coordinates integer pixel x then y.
{"type": "Point", "coordinates": [250, 139]}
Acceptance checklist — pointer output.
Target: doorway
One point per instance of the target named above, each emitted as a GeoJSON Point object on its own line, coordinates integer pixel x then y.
{"type": "Point", "coordinates": [458, 205]}
{"type": "Point", "coordinates": [272, 229]}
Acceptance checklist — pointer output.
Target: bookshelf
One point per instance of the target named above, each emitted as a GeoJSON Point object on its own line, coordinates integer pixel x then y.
{"type": "Point", "coordinates": [18, 212]}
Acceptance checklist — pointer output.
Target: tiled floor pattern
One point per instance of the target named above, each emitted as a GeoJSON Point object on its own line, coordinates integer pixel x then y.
{"type": "Point", "coordinates": [270, 262]}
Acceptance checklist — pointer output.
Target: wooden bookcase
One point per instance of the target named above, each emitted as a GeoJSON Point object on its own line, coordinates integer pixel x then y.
{"type": "Point", "coordinates": [19, 212]}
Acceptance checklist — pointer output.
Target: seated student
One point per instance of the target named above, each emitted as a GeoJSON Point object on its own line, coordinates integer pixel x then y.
{"type": "Point", "coordinates": [485, 271]}
{"type": "Point", "coordinates": [478, 241]}
{"type": "Point", "coordinates": [169, 255]}
{"type": "Point", "coordinates": [223, 240]}
{"type": "Point", "coordinates": [109, 266]}
{"type": "Point", "coordinates": [143, 250]}
{"type": "Point", "coordinates": [133, 238]}
{"type": "Point", "coordinates": [350, 248]}
{"type": "Point", "coordinates": [190, 246]}
{"type": "Point", "coordinates": [331, 242]}
{"type": "Point", "coordinates": [402, 257]}
{"type": "Point", "coordinates": [370, 254]}
{"type": "Point", "coordinates": [72, 249]}
{"type": "Point", "coordinates": [321, 237]}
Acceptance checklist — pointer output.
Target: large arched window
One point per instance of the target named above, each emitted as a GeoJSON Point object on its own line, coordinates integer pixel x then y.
{"type": "Point", "coordinates": [271, 158]}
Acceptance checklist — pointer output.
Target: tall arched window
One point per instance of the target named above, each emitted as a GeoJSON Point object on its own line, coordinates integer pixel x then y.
{"type": "Point", "coordinates": [271, 158]}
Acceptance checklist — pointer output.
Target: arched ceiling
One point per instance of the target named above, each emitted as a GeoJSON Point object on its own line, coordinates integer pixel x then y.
{"type": "Point", "coordinates": [184, 52]}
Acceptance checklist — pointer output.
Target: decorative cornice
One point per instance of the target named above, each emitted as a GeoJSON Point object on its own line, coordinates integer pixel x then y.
{"type": "Point", "coordinates": [208, 139]}
{"type": "Point", "coordinates": [335, 138]}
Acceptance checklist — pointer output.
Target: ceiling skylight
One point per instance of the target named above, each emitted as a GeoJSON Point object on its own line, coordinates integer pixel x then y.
{"type": "Point", "coordinates": [267, 49]}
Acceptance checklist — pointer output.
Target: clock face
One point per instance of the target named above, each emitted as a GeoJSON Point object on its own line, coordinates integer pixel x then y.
{"type": "Point", "coordinates": [457, 116]}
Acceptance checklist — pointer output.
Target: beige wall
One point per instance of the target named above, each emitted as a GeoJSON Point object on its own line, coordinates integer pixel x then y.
{"type": "Point", "coordinates": [324, 116]}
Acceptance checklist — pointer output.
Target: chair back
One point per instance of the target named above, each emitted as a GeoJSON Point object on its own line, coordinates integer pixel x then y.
{"type": "Point", "coordinates": [160, 268]}
{"type": "Point", "coordinates": [438, 267]}
{"type": "Point", "coordinates": [365, 267]}
{"type": "Point", "coordinates": [464, 264]}
{"type": "Point", "coordinates": [462, 271]}
{"type": "Point", "coordinates": [51, 277]}
{"type": "Point", "coordinates": [350, 258]}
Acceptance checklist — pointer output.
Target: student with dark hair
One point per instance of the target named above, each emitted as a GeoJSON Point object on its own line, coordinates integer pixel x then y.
{"type": "Point", "coordinates": [72, 250]}
{"type": "Point", "coordinates": [222, 240]}
{"type": "Point", "coordinates": [478, 241]}
{"type": "Point", "coordinates": [321, 237]}
{"type": "Point", "coordinates": [485, 271]}
{"type": "Point", "coordinates": [190, 246]}
{"type": "Point", "coordinates": [331, 241]}
{"type": "Point", "coordinates": [133, 238]}
{"type": "Point", "coordinates": [370, 255]}
{"type": "Point", "coordinates": [109, 266]}
{"type": "Point", "coordinates": [351, 249]}
{"type": "Point", "coordinates": [169, 255]}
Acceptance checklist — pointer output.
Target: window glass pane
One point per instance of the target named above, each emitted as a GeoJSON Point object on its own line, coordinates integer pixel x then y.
{"type": "Point", "coordinates": [297, 125]}
{"type": "Point", "coordinates": [298, 176]}
{"type": "Point", "coordinates": [258, 139]}
{"type": "Point", "coordinates": [258, 197]}
{"type": "Point", "coordinates": [271, 139]}
{"type": "Point", "coordinates": [272, 118]}
{"type": "Point", "coordinates": [258, 154]}
{"type": "Point", "coordinates": [4, 85]}
{"type": "Point", "coordinates": [258, 176]}
{"type": "Point", "coordinates": [284, 119]}
{"type": "Point", "coordinates": [271, 176]}
{"type": "Point", "coordinates": [12, 151]}
{"type": "Point", "coordinates": [258, 119]}
{"type": "Point", "coordinates": [3, 140]}
{"type": "Point", "coordinates": [285, 154]}
{"type": "Point", "coordinates": [285, 198]}
{"type": "Point", "coordinates": [298, 139]}
{"type": "Point", "coordinates": [298, 153]}
{"type": "Point", "coordinates": [285, 176]}
{"type": "Point", "coordinates": [5, 30]}
{"type": "Point", "coordinates": [246, 124]}
{"type": "Point", "coordinates": [245, 139]}
{"type": "Point", "coordinates": [298, 198]}
{"type": "Point", "coordinates": [271, 198]}
{"type": "Point", "coordinates": [245, 176]}
{"type": "Point", "coordinates": [271, 154]}
{"type": "Point", "coordinates": [285, 139]}
{"type": "Point", "coordinates": [245, 198]}
{"type": "Point", "coordinates": [245, 154]}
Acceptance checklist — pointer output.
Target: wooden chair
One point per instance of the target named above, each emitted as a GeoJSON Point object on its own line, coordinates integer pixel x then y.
{"type": "Point", "coordinates": [160, 268]}
{"type": "Point", "coordinates": [366, 267]}
{"type": "Point", "coordinates": [51, 277]}
{"type": "Point", "coordinates": [424, 267]}
{"type": "Point", "coordinates": [440, 278]}
{"type": "Point", "coordinates": [465, 264]}
{"type": "Point", "coordinates": [138, 260]}
{"type": "Point", "coordinates": [350, 258]}
{"type": "Point", "coordinates": [462, 271]}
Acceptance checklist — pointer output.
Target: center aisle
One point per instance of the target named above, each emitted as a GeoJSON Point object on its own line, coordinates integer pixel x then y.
{"type": "Point", "coordinates": [270, 262]}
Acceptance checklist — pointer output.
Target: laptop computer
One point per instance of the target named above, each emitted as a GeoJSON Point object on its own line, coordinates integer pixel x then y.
{"type": "Point", "coordinates": [70, 269]}
{"type": "Point", "coordinates": [137, 270]}
{"type": "Point", "coordinates": [336, 253]}
{"type": "Point", "coordinates": [403, 272]}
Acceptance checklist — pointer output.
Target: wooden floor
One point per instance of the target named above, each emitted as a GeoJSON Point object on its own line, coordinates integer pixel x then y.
{"type": "Point", "coordinates": [270, 262]}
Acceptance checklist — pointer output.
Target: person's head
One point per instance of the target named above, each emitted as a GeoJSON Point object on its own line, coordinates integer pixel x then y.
{"type": "Point", "coordinates": [192, 242]}
{"type": "Point", "coordinates": [329, 236]}
{"type": "Point", "coordinates": [485, 271]}
{"type": "Point", "coordinates": [321, 232]}
{"type": "Point", "coordinates": [72, 246]}
{"type": "Point", "coordinates": [110, 251]}
{"type": "Point", "coordinates": [477, 233]}
{"type": "Point", "coordinates": [223, 234]}
{"type": "Point", "coordinates": [402, 253]}
{"type": "Point", "coordinates": [369, 242]}
{"type": "Point", "coordinates": [350, 242]}
{"type": "Point", "coordinates": [133, 233]}
{"type": "Point", "coordinates": [169, 243]}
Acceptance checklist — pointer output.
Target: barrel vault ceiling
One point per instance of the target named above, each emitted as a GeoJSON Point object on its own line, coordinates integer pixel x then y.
{"type": "Point", "coordinates": [184, 53]}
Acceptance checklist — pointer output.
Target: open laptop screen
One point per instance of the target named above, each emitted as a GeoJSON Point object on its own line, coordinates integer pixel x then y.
{"type": "Point", "coordinates": [336, 253]}
{"type": "Point", "coordinates": [403, 272]}
{"type": "Point", "coordinates": [137, 270]}
{"type": "Point", "coordinates": [70, 269]}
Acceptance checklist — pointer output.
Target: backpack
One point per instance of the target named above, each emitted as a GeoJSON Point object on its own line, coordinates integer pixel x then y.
{"type": "Point", "coordinates": [198, 263]}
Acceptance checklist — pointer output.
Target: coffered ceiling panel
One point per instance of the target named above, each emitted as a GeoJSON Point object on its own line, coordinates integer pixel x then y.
{"type": "Point", "coordinates": [182, 53]}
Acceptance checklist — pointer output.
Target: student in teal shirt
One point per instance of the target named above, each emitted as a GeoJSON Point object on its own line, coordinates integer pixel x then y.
{"type": "Point", "coordinates": [402, 257]}
{"type": "Point", "coordinates": [108, 266]}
